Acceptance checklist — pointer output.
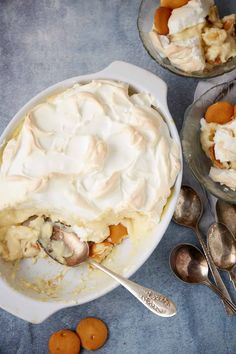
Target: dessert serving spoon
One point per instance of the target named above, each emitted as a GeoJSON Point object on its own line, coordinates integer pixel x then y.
{"type": "Point", "coordinates": [188, 213]}
{"type": "Point", "coordinates": [190, 266]}
{"type": "Point", "coordinates": [222, 246]}
{"type": "Point", "coordinates": [65, 247]}
{"type": "Point", "coordinates": [226, 214]}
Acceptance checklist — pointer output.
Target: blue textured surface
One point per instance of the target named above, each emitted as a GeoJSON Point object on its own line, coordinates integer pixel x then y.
{"type": "Point", "coordinates": [42, 42]}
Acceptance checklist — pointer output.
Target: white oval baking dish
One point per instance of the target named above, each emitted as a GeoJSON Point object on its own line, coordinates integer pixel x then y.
{"type": "Point", "coordinates": [126, 258]}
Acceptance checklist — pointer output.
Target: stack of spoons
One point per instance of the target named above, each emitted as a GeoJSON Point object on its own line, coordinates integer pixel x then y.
{"type": "Point", "coordinates": [188, 263]}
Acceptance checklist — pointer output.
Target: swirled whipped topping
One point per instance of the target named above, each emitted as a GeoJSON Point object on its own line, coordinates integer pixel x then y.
{"type": "Point", "coordinates": [189, 15]}
{"type": "Point", "coordinates": [91, 156]}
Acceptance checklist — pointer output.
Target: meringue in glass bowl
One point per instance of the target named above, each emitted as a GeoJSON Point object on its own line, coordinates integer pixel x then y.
{"type": "Point", "coordinates": [194, 155]}
{"type": "Point", "coordinates": [145, 25]}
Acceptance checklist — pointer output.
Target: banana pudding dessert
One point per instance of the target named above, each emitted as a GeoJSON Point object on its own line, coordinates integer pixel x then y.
{"type": "Point", "coordinates": [94, 158]}
{"type": "Point", "coordinates": [218, 140]}
{"type": "Point", "coordinates": [192, 36]}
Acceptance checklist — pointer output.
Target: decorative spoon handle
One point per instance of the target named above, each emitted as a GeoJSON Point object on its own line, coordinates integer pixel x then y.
{"type": "Point", "coordinates": [157, 303]}
{"type": "Point", "coordinates": [221, 295]}
{"type": "Point", "coordinates": [216, 275]}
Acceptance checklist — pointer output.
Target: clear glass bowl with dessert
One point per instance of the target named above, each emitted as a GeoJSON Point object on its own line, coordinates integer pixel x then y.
{"type": "Point", "coordinates": [189, 37]}
{"type": "Point", "coordinates": [209, 140]}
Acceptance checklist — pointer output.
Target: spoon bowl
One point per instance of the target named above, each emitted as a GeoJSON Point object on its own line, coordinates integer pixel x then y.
{"type": "Point", "coordinates": [189, 209]}
{"type": "Point", "coordinates": [64, 246]}
{"type": "Point", "coordinates": [222, 246]}
{"type": "Point", "coordinates": [226, 214]}
{"type": "Point", "coordinates": [189, 264]}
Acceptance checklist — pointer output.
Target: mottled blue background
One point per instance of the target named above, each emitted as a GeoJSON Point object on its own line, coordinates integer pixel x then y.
{"type": "Point", "coordinates": [42, 42]}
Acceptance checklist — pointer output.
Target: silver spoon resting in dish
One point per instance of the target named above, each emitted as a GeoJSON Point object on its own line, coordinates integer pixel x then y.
{"type": "Point", "coordinates": [189, 265]}
{"type": "Point", "coordinates": [65, 247]}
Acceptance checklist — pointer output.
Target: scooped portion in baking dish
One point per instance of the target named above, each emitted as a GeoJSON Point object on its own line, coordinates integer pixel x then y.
{"type": "Point", "coordinates": [94, 158]}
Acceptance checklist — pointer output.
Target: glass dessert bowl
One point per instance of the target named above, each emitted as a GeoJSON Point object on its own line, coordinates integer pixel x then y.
{"type": "Point", "coordinates": [204, 142]}
{"type": "Point", "coordinates": [194, 44]}
{"type": "Point", "coordinates": [41, 161]}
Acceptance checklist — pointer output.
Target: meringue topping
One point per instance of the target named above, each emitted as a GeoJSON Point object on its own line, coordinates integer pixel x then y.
{"type": "Point", "coordinates": [91, 156]}
{"type": "Point", "coordinates": [189, 15]}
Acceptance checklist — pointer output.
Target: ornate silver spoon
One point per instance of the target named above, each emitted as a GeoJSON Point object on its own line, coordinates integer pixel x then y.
{"type": "Point", "coordinates": [65, 247]}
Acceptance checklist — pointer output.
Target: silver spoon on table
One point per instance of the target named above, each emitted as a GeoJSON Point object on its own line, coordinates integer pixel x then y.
{"type": "Point", "coordinates": [188, 213]}
{"type": "Point", "coordinates": [226, 214]}
{"type": "Point", "coordinates": [189, 265]}
{"type": "Point", "coordinates": [65, 247]}
{"type": "Point", "coordinates": [222, 246]}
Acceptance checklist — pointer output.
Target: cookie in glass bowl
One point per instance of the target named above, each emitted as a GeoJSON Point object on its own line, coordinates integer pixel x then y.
{"type": "Point", "coordinates": [208, 140]}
